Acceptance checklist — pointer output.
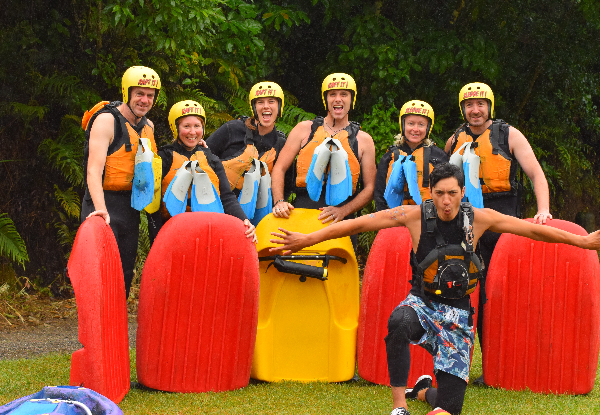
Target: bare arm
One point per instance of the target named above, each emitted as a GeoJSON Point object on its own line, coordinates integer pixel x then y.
{"type": "Point", "coordinates": [523, 152]}
{"type": "Point", "coordinates": [409, 216]}
{"type": "Point", "coordinates": [101, 135]}
{"type": "Point", "coordinates": [497, 222]}
{"type": "Point", "coordinates": [285, 159]}
{"type": "Point", "coordinates": [368, 168]}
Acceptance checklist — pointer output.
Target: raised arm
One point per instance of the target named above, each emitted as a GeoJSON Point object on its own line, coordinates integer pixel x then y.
{"type": "Point", "coordinates": [497, 222]}
{"type": "Point", "coordinates": [409, 216]}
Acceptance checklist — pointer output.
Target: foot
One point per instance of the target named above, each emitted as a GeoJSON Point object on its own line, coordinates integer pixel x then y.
{"type": "Point", "coordinates": [479, 381]}
{"type": "Point", "coordinates": [400, 411]}
{"type": "Point", "coordinates": [424, 382]}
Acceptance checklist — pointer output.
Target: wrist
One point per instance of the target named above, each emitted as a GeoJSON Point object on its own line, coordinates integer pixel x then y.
{"type": "Point", "coordinates": [279, 201]}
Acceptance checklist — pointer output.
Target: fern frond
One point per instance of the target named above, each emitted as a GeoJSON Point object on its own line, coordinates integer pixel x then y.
{"type": "Point", "coordinates": [11, 243]}
{"type": "Point", "coordinates": [28, 111]}
{"type": "Point", "coordinates": [143, 245]}
{"type": "Point", "coordinates": [66, 153]}
{"type": "Point", "coordinates": [69, 200]}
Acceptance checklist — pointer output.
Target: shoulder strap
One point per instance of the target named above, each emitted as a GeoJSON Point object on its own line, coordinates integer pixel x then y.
{"type": "Point", "coordinates": [280, 134]}
{"type": "Point", "coordinates": [426, 157]}
{"type": "Point", "coordinates": [316, 123]}
{"type": "Point", "coordinates": [455, 136]}
{"type": "Point", "coordinates": [497, 139]}
{"type": "Point", "coordinates": [353, 129]}
{"type": "Point", "coordinates": [467, 208]}
{"type": "Point", "coordinates": [396, 153]}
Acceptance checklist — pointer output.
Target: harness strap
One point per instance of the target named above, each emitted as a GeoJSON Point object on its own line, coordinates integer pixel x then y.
{"type": "Point", "coordinates": [426, 157]}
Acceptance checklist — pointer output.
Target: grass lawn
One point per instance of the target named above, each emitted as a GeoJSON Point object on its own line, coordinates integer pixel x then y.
{"type": "Point", "coordinates": [25, 376]}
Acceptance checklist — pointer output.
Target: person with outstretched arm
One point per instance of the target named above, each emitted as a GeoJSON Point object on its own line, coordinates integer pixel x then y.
{"type": "Point", "coordinates": [436, 312]}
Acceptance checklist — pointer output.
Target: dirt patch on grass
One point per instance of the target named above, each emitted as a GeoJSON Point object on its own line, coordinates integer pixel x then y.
{"type": "Point", "coordinates": [33, 325]}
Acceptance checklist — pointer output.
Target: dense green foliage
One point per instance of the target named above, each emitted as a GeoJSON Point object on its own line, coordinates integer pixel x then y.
{"type": "Point", "coordinates": [542, 59]}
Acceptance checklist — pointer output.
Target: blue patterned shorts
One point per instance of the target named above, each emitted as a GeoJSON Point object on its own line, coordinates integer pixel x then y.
{"type": "Point", "coordinates": [448, 336]}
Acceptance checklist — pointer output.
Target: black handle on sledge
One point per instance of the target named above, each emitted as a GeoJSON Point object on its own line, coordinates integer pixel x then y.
{"type": "Point", "coordinates": [285, 264]}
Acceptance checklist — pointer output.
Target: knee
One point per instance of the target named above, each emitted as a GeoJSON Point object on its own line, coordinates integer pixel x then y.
{"type": "Point", "coordinates": [400, 322]}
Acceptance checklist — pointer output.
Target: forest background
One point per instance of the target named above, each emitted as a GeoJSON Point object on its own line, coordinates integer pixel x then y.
{"type": "Point", "coordinates": [58, 58]}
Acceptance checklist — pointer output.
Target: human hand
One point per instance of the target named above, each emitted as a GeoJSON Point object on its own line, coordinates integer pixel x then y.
{"type": "Point", "coordinates": [331, 213]}
{"type": "Point", "coordinates": [542, 216]}
{"type": "Point", "coordinates": [202, 143]}
{"type": "Point", "coordinates": [594, 240]}
{"type": "Point", "coordinates": [290, 241]}
{"type": "Point", "coordinates": [250, 231]}
{"type": "Point", "coordinates": [103, 213]}
{"type": "Point", "coordinates": [282, 210]}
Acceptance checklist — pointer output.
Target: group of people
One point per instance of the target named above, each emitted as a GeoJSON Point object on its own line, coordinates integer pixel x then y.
{"type": "Point", "coordinates": [247, 168]}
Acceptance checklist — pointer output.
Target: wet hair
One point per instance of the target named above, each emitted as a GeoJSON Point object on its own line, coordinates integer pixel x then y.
{"type": "Point", "coordinates": [445, 171]}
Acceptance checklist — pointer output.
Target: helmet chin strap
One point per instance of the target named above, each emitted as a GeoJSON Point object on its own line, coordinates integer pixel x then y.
{"type": "Point", "coordinates": [136, 118]}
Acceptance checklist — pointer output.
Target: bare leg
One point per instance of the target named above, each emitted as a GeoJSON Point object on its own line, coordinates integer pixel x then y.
{"type": "Point", "coordinates": [398, 397]}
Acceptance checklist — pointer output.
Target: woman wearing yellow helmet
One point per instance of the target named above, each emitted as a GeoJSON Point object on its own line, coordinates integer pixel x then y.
{"type": "Point", "coordinates": [403, 172]}
{"type": "Point", "coordinates": [193, 177]}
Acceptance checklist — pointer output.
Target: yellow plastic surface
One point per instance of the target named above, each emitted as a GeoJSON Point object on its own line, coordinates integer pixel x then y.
{"type": "Point", "coordinates": [306, 330]}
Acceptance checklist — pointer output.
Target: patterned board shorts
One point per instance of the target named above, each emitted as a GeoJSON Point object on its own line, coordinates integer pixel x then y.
{"type": "Point", "coordinates": [448, 336]}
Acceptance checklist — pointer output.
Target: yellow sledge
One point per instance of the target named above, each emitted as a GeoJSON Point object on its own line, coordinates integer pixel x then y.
{"type": "Point", "coordinates": [308, 309]}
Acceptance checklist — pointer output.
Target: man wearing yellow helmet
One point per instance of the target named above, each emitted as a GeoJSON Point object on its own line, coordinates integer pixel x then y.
{"type": "Point", "coordinates": [238, 143]}
{"type": "Point", "coordinates": [413, 154]}
{"type": "Point", "coordinates": [499, 148]}
{"type": "Point", "coordinates": [319, 139]}
{"type": "Point", "coordinates": [113, 134]}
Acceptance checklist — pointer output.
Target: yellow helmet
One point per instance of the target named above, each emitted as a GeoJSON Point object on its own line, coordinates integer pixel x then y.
{"type": "Point", "coordinates": [139, 76]}
{"type": "Point", "coordinates": [416, 107]}
{"type": "Point", "coordinates": [182, 109]}
{"type": "Point", "coordinates": [476, 90]}
{"type": "Point", "coordinates": [338, 81]}
{"type": "Point", "coordinates": [263, 90]}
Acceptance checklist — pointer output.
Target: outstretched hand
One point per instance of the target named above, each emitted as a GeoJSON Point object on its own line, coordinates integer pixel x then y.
{"type": "Point", "coordinates": [290, 241]}
{"type": "Point", "coordinates": [594, 240]}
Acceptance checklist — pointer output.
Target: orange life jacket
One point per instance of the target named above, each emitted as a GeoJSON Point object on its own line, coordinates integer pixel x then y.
{"type": "Point", "coordinates": [498, 168]}
{"type": "Point", "coordinates": [120, 160]}
{"type": "Point", "coordinates": [236, 166]}
{"type": "Point", "coordinates": [347, 137]}
{"type": "Point", "coordinates": [423, 170]}
{"type": "Point", "coordinates": [178, 160]}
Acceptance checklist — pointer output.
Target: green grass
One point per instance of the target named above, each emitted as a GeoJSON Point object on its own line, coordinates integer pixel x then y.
{"type": "Point", "coordinates": [25, 376]}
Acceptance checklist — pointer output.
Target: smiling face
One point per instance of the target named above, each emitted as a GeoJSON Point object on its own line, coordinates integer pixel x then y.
{"type": "Point", "coordinates": [190, 131]}
{"type": "Point", "coordinates": [266, 111]}
{"type": "Point", "coordinates": [415, 129]}
{"type": "Point", "coordinates": [339, 102]}
{"type": "Point", "coordinates": [141, 100]}
{"type": "Point", "coordinates": [477, 112]}
{"type": "Point", "coordinates": [446, 195]}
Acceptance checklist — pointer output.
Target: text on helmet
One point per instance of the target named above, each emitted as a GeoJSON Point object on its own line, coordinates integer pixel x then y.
{"type": "Point", "coordinates": [475, 94]}
{"type": "Point", "coordinates": [415, 110]}
{"type": "Point", "coordinates": [338, 84]}
{"type": "Point", "coordinates": [265, 92]}
{"type": "Point", "coordinates": [187, 110]}
{"type": "Point", "coordinates": [151, 82]}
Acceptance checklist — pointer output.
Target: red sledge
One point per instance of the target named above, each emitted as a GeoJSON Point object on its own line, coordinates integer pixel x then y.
{"type": "Point", "coordinates": [385, 285]}
{"type": "Point", "coordinates": [542, 317]}
{"type": "Point", "coordinates": [198, 306]}
{"type": "Point", "coordinates": [97, 278]}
